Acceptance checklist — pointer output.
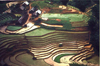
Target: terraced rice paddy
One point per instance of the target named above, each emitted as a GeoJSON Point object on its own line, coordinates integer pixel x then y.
{"type": "Point", "coordinates": [31, 48]}
{"type": "Point", "coordinates": [71, 17]}
{"type": "Point", "coordinates": [57, 59]}
{"type": "Point", "coordinates": [13, 46]}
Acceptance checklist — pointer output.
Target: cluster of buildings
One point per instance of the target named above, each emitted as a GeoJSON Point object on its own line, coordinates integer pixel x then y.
{"type": "Point", "coordinates": [24, 9]}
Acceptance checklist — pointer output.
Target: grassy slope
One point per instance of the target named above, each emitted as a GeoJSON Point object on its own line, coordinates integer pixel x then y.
{"type": "Point", "coordinates": [72, 17]}
{"type": "Point", "coordinates": [14, 27]}
{"type": "Point", "coordinates": [36, 32]}
{"type": "Point", "coordinates": [57, 59]}
{"type": "Point", "coordinates": [42, 4]}
{"type": "Point", "coordinates": [39, 32]}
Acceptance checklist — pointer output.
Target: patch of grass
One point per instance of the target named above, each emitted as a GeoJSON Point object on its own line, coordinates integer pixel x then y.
{"type": "Point", "coordinates": [66, 24]}
{"type": "Point", "coordinates": [75, 19]}
{"type": "Point", "coordinates": [57, 59]}
{"type": "Point", "coordinates": [53, 22]}
{"type": "Point", "coordinates": [42, 4]}
{"type": "Point", "coordinates": [72, 17]}
{"type": "Point", "coordinates": [39, 32]}
{"type": "Point", "coordinates": [14, 27]}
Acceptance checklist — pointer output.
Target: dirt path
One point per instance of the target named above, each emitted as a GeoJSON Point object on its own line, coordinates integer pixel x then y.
{"type": "Point", "coordinates": [51, 25]}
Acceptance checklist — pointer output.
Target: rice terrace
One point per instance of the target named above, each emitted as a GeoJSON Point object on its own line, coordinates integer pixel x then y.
{"type": "Point", "coordinates": [49, 33]}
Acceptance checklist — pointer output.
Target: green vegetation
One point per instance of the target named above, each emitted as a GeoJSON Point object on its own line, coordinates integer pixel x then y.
{"type": "Point", "coordinates": [66, 24]}
{"type": "Point", "coordinates": [81, 4]}
{"type": "Point", "coordinates": [39, 32]}
{"type": "Point", "coordinates": [95, 11]}
{"type": "Point", "coordinates": [94, 28]}
{"type": "Point", "coordinates": [57, 59]}
{"type": "Point", "coordinates": [42, 4]}
{"type": "Point", "coordinates": [72, 7]}
{"type": "Point", "coordinates": [54, 22]}
{"type": "Point", "coordinates": [60, 2]}
{"type": "Point", "coordinates": [54, 1]}
{"type": "Point", "coordinates": [14, 27]}
{"type": "Point", "coordinates": [65, 21]}
{"type": "Point", "coordinates": [7, 18]}
{"type": "Point", "coordinates": [16, 9]}
{"type": "Point", "coordinates": [71, 17]}
{"type": "Point", "coordinates": [47, 1]}
{"type": "Point", "coordinates": [3, 6]}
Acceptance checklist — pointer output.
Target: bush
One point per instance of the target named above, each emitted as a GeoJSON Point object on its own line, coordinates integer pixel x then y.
{"type": "Point", "coordinates": [3, 6]}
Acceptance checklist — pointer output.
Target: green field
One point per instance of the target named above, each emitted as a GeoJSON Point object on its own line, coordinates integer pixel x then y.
{"type": "Point", "coordinates": [42, 4]}
{"type": "Point", "coordinates": [10, 44]}
{"type": "Point", "coordinates": [57, 59]}
{"type": "Point", "coordinates": [39, 32]}
{"type": "Point", "coordinates": [71, 17]}
{"type": "Point", "coordinates": [14, 27]}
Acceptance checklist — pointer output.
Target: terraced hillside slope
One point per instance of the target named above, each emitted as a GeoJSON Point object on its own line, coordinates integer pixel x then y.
{"type": "Point", "coordinates": [63, 34]}
{"type": "Point", "coordinates": [12, 48]}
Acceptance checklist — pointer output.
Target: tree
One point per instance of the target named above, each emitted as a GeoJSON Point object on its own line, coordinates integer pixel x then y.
{"type": "Point", "coordinates": [47, 1]}
{"type": "Point", "coordinates": [3, 6]}
{"type": "Point", "coordinates": [95, 11]}
{"type": "Point", "coordinates": [56, 1]}
{"type": "Point", "coordinates": [64, 2]}
{"type": "Point", "coordinates": [81, 4]}
{"type": "Point", "coordinates": [94, 28]}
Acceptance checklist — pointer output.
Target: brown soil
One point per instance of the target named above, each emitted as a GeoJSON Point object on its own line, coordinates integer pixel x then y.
{"type": "Point", "coordinates": [80, 28]}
